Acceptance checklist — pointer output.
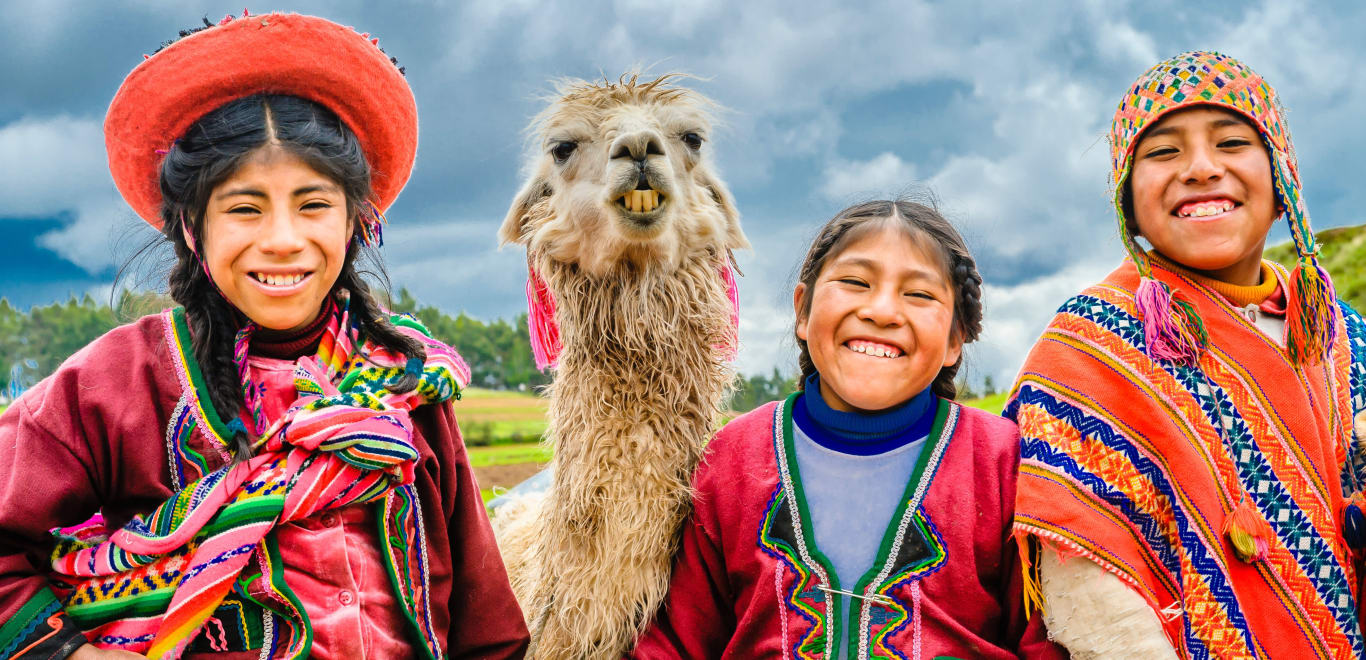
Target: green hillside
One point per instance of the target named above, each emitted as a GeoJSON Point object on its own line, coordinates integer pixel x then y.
{"type": "Point", "coordinates": [1342, 252]}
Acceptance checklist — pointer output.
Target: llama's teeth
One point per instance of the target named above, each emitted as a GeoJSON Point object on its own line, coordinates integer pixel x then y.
{"type": "Point", "coordinates": [636, 201]}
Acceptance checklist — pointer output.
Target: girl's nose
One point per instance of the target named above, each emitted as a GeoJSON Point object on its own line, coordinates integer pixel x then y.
{"type": "Point", "coordinates": [281, 234]}
{"type": "Point", "coordinates": [1202, 165]}
{"type": "Point", "coordinates": [883, 308]}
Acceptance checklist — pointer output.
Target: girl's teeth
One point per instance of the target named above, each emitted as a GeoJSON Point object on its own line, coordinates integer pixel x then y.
{"type": "Point", "coordinates": [1204, 209]}
{"type": "Point", "coordinates": [874, 350]}
{"type": "Point", "coordinates": [280, 280]}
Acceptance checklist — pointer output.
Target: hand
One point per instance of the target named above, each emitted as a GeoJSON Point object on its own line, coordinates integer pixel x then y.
{"type": "Point", "coordinates": [89, 652]}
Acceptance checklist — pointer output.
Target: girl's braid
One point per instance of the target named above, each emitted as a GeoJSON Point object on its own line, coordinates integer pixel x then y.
{"type": "Point", "coordinates": [967, 317]}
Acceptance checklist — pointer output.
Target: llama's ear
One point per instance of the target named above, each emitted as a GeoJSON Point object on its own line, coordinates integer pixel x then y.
{"type": "Point", "coordinates": [514, 225]}
{"type": "Point", "coordinates": [735, 237]}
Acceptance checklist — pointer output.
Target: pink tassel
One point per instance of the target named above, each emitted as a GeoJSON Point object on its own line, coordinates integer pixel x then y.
{"type": "Point", "coordinates": [1171, 329]}
{"type": "Point", "coordinates": [732, 347]}
{"type": "Point", "coordinates": [545, 333]}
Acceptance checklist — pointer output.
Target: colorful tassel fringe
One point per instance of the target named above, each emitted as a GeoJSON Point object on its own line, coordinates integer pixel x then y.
{"type": "Point", "coordinates": [1172, 329]}
{"type": "Point", "coordinates": [1311, 312]}
{"type": "Point", "coordinates": [1247, 532]}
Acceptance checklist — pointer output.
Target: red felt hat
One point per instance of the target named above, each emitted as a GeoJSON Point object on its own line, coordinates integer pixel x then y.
{"type": "Point", "coordinates": [290, 54]}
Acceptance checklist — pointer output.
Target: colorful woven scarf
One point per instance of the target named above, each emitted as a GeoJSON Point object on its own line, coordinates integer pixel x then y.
{"type": "Point", "coordinates": [1173, 329]}
{"type": "Point", "coordinates": [347, 440]}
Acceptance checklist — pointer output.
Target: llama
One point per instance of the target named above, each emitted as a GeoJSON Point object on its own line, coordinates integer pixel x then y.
{"type": "Point", "coordinates": [629, 235]}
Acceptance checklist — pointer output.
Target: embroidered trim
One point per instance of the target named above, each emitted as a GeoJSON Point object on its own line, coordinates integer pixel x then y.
{"type": "Point", "coordinates": [173, 443]}
{"type": "Point", "coordinates": [268, 632]}
{"type": "Point", "coordinates": [916, 621]}
{"type": "Point", "coordinates": [778, 589]}
{"type": "Point", "coordinates": [781, 548]}
{"type": "Point", "coordinates": [922, 477]}
{"type": "Point", "coordinates": [871, 586]}
{"type": "Point", "coordinates": [191, 380]}
{"type": "Point", "coordinates": [32, 614]}
{"type": "Point", "coordinates": [780, 419]}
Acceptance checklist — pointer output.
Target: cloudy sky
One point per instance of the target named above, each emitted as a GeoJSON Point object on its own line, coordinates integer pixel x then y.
{"type": "Point", "coordinates": [997, 108]}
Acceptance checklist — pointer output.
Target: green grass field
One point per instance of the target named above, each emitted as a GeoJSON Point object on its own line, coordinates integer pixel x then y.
{"type": "Point", "coordinates": [510, 454]}
{"type": "Point", "coordinates": [489, 417]}
{"type": "Point", "coordinates": [992, 404]}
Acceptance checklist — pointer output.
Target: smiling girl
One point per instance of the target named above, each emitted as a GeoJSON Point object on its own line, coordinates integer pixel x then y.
{"type": "Point", "coordinates": [273, 468]}
{"type": "Point", "coordinates": [868, 514]}
{"type": "Point", "coordinates": [1189, 467]}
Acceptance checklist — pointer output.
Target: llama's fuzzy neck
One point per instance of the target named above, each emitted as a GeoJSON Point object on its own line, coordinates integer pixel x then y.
{"type": "Point", "coordinates": [641, 341]}
{"type": "Point", "coordinates": [640, 380]}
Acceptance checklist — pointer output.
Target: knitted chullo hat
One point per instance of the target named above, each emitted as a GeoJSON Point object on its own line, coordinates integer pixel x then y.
{"type": "Point", "coordinates": [1172, 328]}
{"type": "Point", "coordinates": [290, 54]}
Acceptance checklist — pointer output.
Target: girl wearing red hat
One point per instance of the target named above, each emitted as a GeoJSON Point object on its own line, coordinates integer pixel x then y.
{"type": "Point", "coordinates": [273, 468]}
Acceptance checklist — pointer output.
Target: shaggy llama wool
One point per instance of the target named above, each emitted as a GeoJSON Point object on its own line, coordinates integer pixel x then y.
{"type": "Point", "coordinates": [646, 329]}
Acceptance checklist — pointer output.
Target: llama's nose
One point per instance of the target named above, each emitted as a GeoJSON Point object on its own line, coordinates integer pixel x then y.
{"type": "Point", "coordinates": [638, 146]}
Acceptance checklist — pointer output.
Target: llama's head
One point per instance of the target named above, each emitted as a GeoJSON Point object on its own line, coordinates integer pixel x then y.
{"type": "Point", "coordinates": [623, 173]}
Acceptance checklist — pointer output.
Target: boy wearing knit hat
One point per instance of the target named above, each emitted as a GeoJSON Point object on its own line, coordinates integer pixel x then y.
{"type": "Point", "coordinates": [1188, 484]}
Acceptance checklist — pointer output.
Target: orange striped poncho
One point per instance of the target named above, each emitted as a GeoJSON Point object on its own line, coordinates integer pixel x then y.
{"type": "Point", "coordinates": [1137, 463]}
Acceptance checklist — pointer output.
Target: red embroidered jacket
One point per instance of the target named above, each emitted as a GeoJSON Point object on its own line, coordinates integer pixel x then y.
{"type": "Point", "coordinates": [749, 580]}
{"type": "Point", "coordinates": [100, 434]}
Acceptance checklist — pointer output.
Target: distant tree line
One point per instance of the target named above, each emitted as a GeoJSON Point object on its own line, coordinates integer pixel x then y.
{"type": "Point", "coordinates": [34, 343]}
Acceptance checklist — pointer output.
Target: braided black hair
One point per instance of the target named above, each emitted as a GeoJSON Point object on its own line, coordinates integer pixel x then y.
{"type": "Point", "coordinates": [921, 221]}
{"type": "Point", "coordinates": [211, 150]}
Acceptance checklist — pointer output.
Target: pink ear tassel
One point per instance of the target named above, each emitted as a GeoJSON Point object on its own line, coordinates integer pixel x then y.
{"type": "Point", "coordinates": [545, 333]}
{"type": "Point", "coordinates": [732, 347]}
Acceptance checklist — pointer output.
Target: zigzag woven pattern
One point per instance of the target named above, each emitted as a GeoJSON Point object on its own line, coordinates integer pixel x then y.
{"type": "Point", "coordinates": [1126, 459]}
{"type": "Point", "coordinates": [346, 440]}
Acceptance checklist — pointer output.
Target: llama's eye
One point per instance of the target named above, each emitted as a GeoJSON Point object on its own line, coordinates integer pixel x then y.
{"type": "Point", "coordinates": [693, 140]}
{"type": "Point", "coordinates": [562, 150]}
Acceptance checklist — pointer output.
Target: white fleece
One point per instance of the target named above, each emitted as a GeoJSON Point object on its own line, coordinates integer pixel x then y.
{"type": "Point", "coordinates": [1095, 614]}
